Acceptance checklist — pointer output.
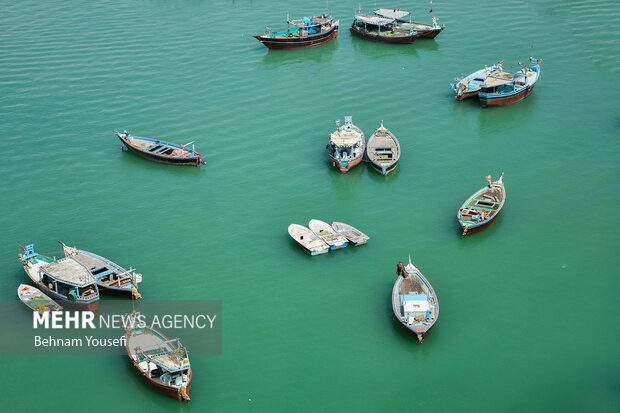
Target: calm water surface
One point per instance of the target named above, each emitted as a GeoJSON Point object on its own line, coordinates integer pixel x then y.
{"type": "Point", "coordinates": [528, 307]}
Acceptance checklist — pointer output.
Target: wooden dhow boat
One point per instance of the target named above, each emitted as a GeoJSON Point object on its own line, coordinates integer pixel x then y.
{"type": "Point", "coordinates": [308, 239]}
{"type": "Point", "coordinates": [66, 280]}
{"type": "Point", "coordinates": [424, 30]}
{"type": "Point", "coordinates": [383, 150]}
{"type": "Point", "coordinates": [481, 208]}
{"type": "Point", "coordinates": [36, 300]}
{"type": "Point", "coordinates": [306, 32]}
{"type": "Point", "coordinates": [502, 88]}
{"type": "Point", "coordinates": [414, 301]}
{"type": "Point", "coordinates": [162, 363]}
{"type": "Point", "coordinates": [328, 234]}
{"type": "Point", "coordinates": [346, 145]}
{"type": "Point", "coordinates": [353, 234]}
{"type": "Point", "coordinates": [109, 276]}
{"type": "Point", "coordinates": [469, 86]}
{"type": "Point", "coordinates": [382, 29]}
{"type": "Point", "coordinates": [161, 151]}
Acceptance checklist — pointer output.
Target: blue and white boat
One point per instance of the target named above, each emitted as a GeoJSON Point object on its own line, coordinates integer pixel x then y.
{"type": "Point", "coordinates": [109, 276]}
{"type": "Point", "coordinates": [414, 301]}
{"type": "Point", "coordinates": [469, 86]}
{"type": "Point", "coordinates": [65, 280]}
{"type": "Point", "coordinates": [503, 88]}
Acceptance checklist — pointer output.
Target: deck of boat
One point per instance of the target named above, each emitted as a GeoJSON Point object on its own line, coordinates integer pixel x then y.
{"type": "Point", "coordinates": [412, 285]}
{"type": "Point", "coordinates": [69, 270]}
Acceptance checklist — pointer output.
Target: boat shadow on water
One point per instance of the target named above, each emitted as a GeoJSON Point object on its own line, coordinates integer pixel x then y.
{"type": "Point", "coordinates": [508, 116]}
{"type": "Point", "coordinates": [131, 160]}
{"type": "Point", "coordinates": [378, 50]}
{"type": "Point", "coordinates": [345, 184]}
{"type": "Point", "coordinates": [310, 55]}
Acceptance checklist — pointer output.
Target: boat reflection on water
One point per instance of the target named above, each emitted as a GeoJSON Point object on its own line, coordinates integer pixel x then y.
{"type": "Point", "coordinates": [312, 56]}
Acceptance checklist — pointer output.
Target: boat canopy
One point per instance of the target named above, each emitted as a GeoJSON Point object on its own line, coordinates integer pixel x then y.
{"type": "Point", "coordinates": [374, 20]}
{"type": "Point", "coordinates": [415, 303]}
{"type": "Point", "coordinates": [345, 138]}
{"type": "Point", "coordinates": [69, 271]}
{"type": "Point", "coordinates": [392, 14]}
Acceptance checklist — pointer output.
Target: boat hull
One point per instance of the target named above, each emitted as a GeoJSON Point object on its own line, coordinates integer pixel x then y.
{"type": "Point", "coordinates": [187, 161]}
{"type": "Point", "coordinates": [298, 43]}
{"type": "Point", "coordinates": [350, 164]}
{"type": "Point", "coordinates": [467, 95]}
{"type": "Point", "coordinates": [486, 101]}
{"type": "Point", "coordinates": [386, 39]}
{"type": "Point", "coordinates": [380, 169]}
{"type": "Point", "coordinates": [429, 34]}
{"type": "Point", "coordinates": [477, 228]}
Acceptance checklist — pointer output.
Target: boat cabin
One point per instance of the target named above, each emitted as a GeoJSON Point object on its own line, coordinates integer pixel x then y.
{"type": "Point", "coordinates": [69, 279]}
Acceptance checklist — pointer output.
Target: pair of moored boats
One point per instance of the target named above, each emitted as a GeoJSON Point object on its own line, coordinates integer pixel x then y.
{"type": "Point", "coordinates": [75, 280]}
{"type": "Point", "coordinates": [321, 237]}
{"type": "Point", "coordinates": [495, 87]}
{"type": "Point", "coordinates": [392, 26]}
{"type": "Point", "coordinates": [386, 25]}
{"type": "Point", "coordinates": [347, 145]}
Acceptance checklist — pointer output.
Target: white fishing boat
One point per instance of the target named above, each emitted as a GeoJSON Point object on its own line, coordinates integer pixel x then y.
{"type": "Point", "coordinates": [329, 235]}
{"type": "Point", "coordinates": [383, 150]}
{"type": "Point", "coordinates": [308, 239]}
{"type": "Point", "coordinates": [36, 300]}
{"type": "Point", "coordinates": [354, 235]}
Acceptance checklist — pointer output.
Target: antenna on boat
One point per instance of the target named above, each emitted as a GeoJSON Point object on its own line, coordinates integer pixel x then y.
{"type": "Point", "coordinates": [410, 260]}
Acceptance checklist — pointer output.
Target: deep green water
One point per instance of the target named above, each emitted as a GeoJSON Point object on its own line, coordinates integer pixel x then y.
{"type": "Point", "coordinates": [529, 307]}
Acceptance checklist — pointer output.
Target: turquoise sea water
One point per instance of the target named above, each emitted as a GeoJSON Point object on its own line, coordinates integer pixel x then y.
{"type": "Point", "coordinates": [528, 307]}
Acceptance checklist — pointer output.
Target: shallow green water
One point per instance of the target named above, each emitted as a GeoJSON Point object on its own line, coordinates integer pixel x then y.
{"type": "Point", "coordinates": [528, 307]}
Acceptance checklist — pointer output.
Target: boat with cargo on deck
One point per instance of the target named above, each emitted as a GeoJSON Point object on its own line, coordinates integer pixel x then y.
{"type": "Point", "coordinates": [414, 301]}
{"type": "Point", "coordinates": [346, 145]}
{"type": "Point", "coordinates": [65, 280]}
{"type": "Point", "coordinates": [480, 209]}
{"type": "Point", "coordinates": [109, 276]}
{"type": "Point", "coordinates": [305, 32]}
{"type": "Point", "coordinates": [163, 363]}
{"type": "Point", "coordinates": [161, 151]}
{"type": "Point", "coordinates": [424, 30]}
{"type": "Point", "coordinates": [503, 88]}
{"type": "Point", "coordinates": [382, 29]}
{"type": "Point", "coordinates": [36, 300]}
